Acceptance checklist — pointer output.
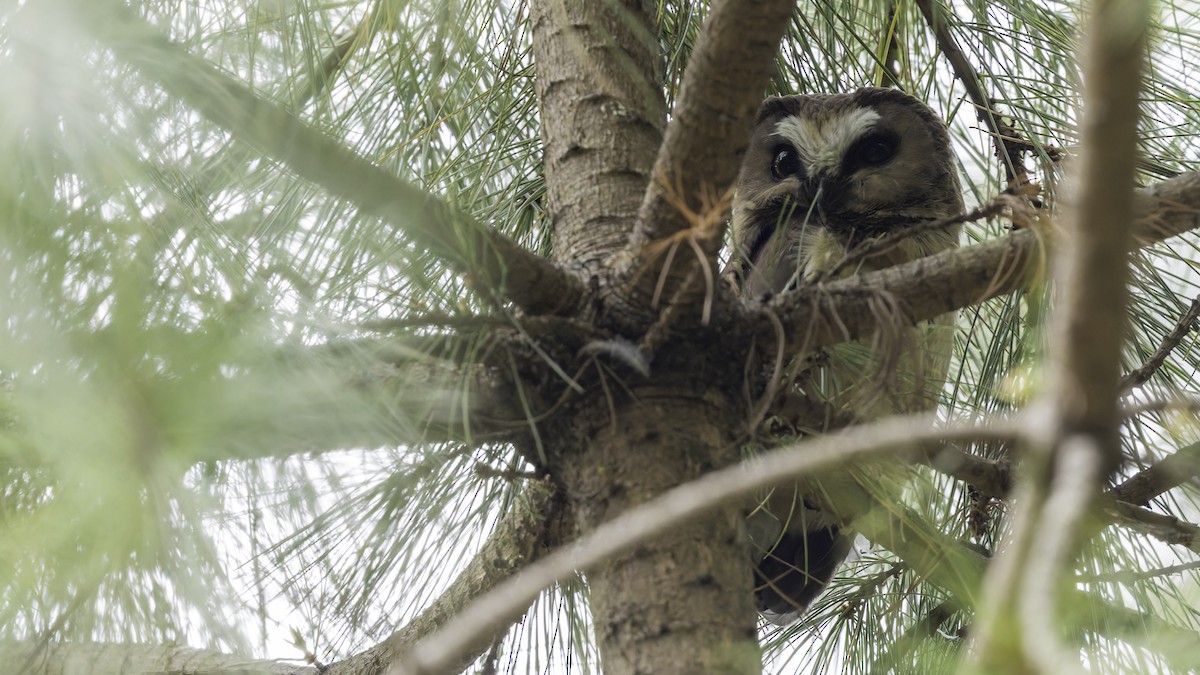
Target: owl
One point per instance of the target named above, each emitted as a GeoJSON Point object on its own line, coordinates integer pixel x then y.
{"type": "Point", "coordinates": [822, 174]}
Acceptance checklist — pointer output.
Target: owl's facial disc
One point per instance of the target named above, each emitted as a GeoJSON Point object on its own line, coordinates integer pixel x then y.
{"type": "Point", "coordinates": [822, 142]}
{"type": "Point", "coordinates": [820, 160]}
{"type": "Point", "coordinates": [825, 171]}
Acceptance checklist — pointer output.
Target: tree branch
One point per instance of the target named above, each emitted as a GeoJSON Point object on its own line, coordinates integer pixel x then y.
{"type": "Point", "coordinates": [989, 476]}
{"type": "Point", "coordinates": [1186, 324]}
{"type": "Point", "coordinates": [1172, 471]}
{"type": "Point", "coordinates": [365, 395]}
{"type": "Point", "coordinates": [483, 617]}
{"type": "Point", "coordinates": [494, 261]}
{"type": "Point", "coordinates": [1073, 428]}
{"type": "Point", "coordinates": [1010, 146]}
{"type": "Point", "coordinates": [995, 478]}
{"type": "Point", "coordinates": [1165, 528]}
{"type": "Point", "coordinates": [722, 90]}
{"type": "Point", "coordinates": [1088, 326]}
{"type": "Point", "coordinates": [533, 527]}
{"type": "Point", "coordinates": [1128, 576]}
{"type": "Point", "coordinates": [109, 658]}
{"type": "Point", "coordinates": [818, 315]}
{"type": "Point", "coordinates": [1061, 529]}
{"type": "Point", "coordinates": [599, 85]}
{"type": "Point", "coordinates": [701, 152]}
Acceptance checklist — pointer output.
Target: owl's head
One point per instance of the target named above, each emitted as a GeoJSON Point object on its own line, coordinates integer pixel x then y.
{"type": "Point", "coordinates": [824, 172]}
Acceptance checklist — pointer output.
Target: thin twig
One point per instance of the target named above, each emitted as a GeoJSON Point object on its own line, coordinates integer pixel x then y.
{"type": "Point", "coordinates": [1185, 325]}
{"type": "Point", "coordinates": [868, 587]}
{"type": "Point", "coordinates": [1010, 146]}
{"type": "Point", "coordinates": [1165, 528]}
{"type": "Point", "coordinates": [335, 59]}
{"type": "Point", "coordinates": [759, 410]}
{"type": "Point", "coordinates": [484, 470]}
{"type": "Point", "coordinates": [890, 240]}
{"type": "Point", "coordinates": [888, 62]}
{"type": "Point", "coordinates": [1126, 576]}
{"type": "Point", "coordinates": [1172, 471]}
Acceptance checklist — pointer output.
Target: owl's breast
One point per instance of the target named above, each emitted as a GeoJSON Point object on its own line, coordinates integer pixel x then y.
{"type": "Point", "coordinates": [820, 251]}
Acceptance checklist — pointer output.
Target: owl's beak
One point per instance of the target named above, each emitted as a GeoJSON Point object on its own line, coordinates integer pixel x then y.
{"type": "Point", "coordinates": [827, 207]}
{"type": "Point", "coordinates": [817, 193]}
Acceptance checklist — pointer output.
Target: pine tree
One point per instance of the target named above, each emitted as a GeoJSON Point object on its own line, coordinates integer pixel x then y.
{"type": "Point", "coordinates": [324, 321]}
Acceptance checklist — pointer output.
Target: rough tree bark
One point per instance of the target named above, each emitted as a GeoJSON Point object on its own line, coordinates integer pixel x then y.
{"type": "Point", "coordinates": [602, 110]}
{"type": "Point", "coordinates": [682, 603]}
{"type": "Point", "coordinates": [600, 77]}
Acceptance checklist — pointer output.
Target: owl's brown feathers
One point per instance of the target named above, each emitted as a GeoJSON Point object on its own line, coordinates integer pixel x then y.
{"type": "Point", "coordinates": [823, 173]}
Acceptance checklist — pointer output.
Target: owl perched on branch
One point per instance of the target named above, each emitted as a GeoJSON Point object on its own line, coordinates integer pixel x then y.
{"type": "Point", "coordinates": [822, 174]}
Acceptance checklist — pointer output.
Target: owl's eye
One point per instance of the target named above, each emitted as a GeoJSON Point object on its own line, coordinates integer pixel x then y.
{"type": "Point", "coordinates": [874, 150]}
{"type": "Point", "coordinates": [878, 152]}
{"type": "Point", "coordinates": [786, 162]}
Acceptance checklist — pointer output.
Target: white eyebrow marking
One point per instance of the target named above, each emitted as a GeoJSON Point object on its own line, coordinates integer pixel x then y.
{"type": "Point", "coordinates": [823, 141]}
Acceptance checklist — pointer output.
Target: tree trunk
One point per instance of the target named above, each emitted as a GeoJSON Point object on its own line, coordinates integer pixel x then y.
{"type": "Point", "coordinates": [602, 111]}
{"type": "Point", "coordinates": [653, 606]}
{"type": "Point", "coordinates": [600, 90]}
